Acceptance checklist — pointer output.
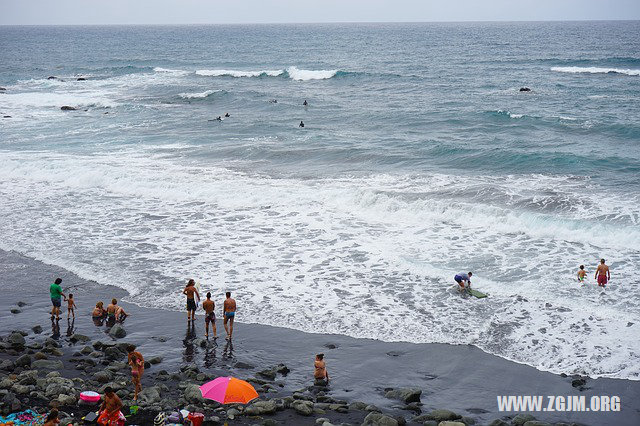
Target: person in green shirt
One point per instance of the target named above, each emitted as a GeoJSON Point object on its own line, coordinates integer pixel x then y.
{"type": "Point", "coordinates": [56, 298]}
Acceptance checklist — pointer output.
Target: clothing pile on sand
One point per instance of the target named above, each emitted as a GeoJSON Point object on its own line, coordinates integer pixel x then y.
{"type": "Point", "coordinates": [27, 417]}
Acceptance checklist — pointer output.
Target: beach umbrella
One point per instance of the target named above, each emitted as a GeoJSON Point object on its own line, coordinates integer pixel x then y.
{"type": "Point", "coordinates": [229, 390]}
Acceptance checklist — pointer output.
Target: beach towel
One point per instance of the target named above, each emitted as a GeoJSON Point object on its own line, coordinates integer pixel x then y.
{"type": "Point", "coordinates": [24, 418]}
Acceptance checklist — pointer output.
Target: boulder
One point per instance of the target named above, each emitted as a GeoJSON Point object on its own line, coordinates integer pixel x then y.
{"type": "Point", "coordinates": [102, 377]}
{"type": "Point", "coordinates": [79, 338]}
{"type": "Point", "coordinates": [260, 408]}
{"type": "Point", "coordinates": [498, 422]}
{"type": "Point", "coordinates": [438, 416]}
{"type": "Point", "coordinates": [43, 364]}
{"type": "Point", "coordinates": [67, 108]}
{"type": "Point", "coordinates": [81, 79]}
{"type": "Point", "coordinates": [117, 331]}
{"type": "Point", "coordinates": [521, 419]}
{"type": "Point", "coordinates": [379, 419]}
{"type": "Point", "coordinates": [149, 395]}
{"type": "Point", "coordinates": [405, 395]}
{"type": "Point", "coordinates": [450, 423]}
{"type": "Point", "coordinates": [525, 89]}
{"type": "Point", "coordinates": [51, 77]}
{"type": "Point", "coordinates": [67, 400]}
{"type": "Point", "coordinates": [113, 353]}
{"type": "Point", "coordinates": [302, 407]}
{"type": "Point", "coordinates": [244, 365]}
{"type": "Point", "coordinates": [37, 329]}
{"type": "Point", "coordinates": [155, 360]}
{"type": "Point", "coordinates": [193, 395]}
{"type": "Point", "coordinates": [7, 365]}
{"type": "Point", "coordinates": [16, 311]}
{"type": "Point", "coordinates": [269, 374]}
{"type": "Point", "coordinates": [39, 355]}
{"type": "Point", "coordinates": [16, 340]}
{"type": "Point", "coordinates": [23, 361]}
{"type": "Point", "coordinates": [536, 423]}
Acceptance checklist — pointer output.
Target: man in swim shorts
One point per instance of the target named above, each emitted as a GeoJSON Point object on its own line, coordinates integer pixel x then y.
{"type": "Point", "coordinates": [602, 274]}
{"type": "Point", "coordinates": [209, 315]}
{"type": "Point", "coordinates": [229, 314]}
{"type": "Point", "coordinates": [463, 280]}
{"type": "Point", "coordinates": [191, 292]}
{"type": "Point", "coordinates": [55, 291]}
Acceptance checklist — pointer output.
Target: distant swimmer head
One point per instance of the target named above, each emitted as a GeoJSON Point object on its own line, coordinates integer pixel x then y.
{"type": "Point", "coordinates": [227, 114]}
{"type": "Point", "coordinates": [58, 281]}
{"type": "Point", "coordinates": [301, 124]}
{"type": "Point", "coordinates": [305, 102]}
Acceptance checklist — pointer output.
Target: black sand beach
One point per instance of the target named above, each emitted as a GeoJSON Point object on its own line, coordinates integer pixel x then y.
{"type": "Point", "coordinates": [462, 379]}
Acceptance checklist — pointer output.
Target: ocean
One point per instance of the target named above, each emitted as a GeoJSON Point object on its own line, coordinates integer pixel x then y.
{"type": "Point", "coordinates": [420, 158]}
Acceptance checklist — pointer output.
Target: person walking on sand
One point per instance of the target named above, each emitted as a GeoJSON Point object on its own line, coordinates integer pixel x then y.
{"type": "Point", "coordinates": [320, 374]}
{"type": "Point", "coordinates": [71, 306]}
{"type": "Point", "coordinates": [602, 274]}
{"type": "Point", "coordinates": [110, 408]}
{"type": "Point", "coordinates": [136, 361]}
{"type": "Point", "coordinates": [463, 280]}
{"type": "Point", "coordinates": [229, 314]}
{"type": "Point", "coordinates": [56, 298]}
{"type": "Point", "coordinates": [582, 274]}
{"type": "Point", "coordinates": [209, 316]}
{"type": "Point", "coordinates": [191, 292]}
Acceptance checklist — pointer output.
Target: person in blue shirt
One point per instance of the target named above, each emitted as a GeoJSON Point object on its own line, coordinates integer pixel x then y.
{"type": "Point", "coordinates": [463, 280]}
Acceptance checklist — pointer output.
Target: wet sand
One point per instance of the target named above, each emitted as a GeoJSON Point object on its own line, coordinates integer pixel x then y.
{"type": "Point", "coordinates": [459, 378]}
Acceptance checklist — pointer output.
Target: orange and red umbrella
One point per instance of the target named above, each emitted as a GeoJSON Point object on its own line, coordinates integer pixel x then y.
{"type": "Point", "coordinates": [229, 390]}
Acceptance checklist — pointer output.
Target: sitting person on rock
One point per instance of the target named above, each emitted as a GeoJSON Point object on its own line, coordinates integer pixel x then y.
{"type": "Point", "coordinates": [110, 408]}
{"type": "Point", "coordinates": [52, 418]}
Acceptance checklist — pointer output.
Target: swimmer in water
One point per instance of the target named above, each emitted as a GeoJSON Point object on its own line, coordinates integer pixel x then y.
{"type": "Point", "coordinates": [305, 103]}
{"type": "Point", "coordinates": [227, 115]}
{"type": "Point", "coordinates": [582, 274]}
{"type": "Point", "coordinates": [301, 124]}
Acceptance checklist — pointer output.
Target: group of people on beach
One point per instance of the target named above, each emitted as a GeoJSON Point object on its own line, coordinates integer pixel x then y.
{"type": "Point", "coordinates": [228, 309]}
{"type": "Point", "coordinates": [112, 313]}
{"type": "Point", "coordinates": [57, 296]}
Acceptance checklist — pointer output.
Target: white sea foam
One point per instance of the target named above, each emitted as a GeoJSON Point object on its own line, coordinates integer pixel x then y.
{"type": "Point", "coordinates": [596, 70]}
{"type": "Point", "coordinates": [171, 71]}
{"type": "Point", "coordinates": [306, 75]}
{"type": "Point", "coordinates": [294, 73]}
{"type": "Point", "coordinates": [238, 74]}
{"type": "Point", "coordinates": [198, 95]}
{"type": "Point", "coordinates": [365, 256]}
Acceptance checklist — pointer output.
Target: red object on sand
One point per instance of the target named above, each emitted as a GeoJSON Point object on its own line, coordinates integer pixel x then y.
{"type": "Point", "coordinates": [196, 418]}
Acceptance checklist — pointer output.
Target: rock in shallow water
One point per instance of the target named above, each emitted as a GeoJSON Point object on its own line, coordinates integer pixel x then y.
{"type": "Point", "coordinates": [118, 332]}
{"type": "Point", "coordinates": [406, 395]}
{"type": "Point", "coordinates": [379, 419]}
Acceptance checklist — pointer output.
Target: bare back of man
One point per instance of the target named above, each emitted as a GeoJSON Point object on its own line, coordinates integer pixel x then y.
{"type": "Point", "coordinates": [210, 316]}
{"type": "Point", "coordinates": [229, 313]}
{"type": "Point", "coordinates": [602, 274]}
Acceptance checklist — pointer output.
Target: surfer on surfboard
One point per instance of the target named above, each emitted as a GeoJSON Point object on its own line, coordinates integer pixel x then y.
{"type": "Point", "coordinates": [463, 280]}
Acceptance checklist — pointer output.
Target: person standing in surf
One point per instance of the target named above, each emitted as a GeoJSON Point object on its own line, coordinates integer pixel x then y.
{"type": "Point", "coordinates": [229, 314]}
{"type": "Point", "coordinates": [55, 291]}
{"type": "Point", "coordinates": [463, 280]}
{"type": "Point", "coordinates": [582, 274]}
{"type": "Point", "coordinates": [191, 292]}
{"type": "Point", "coordinates": [209, 316]}
{"type": "Point", "coordinates": [603, 276]}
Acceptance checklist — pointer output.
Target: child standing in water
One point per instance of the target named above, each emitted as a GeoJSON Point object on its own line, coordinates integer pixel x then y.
{"type": "Point", "coordinates": [582, 274]}
{"type": "Point", "coordinates": [71, 306]}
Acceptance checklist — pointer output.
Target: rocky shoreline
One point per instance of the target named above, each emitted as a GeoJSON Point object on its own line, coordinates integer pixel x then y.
{"type": "Point", "coordinates": [38, 372]}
